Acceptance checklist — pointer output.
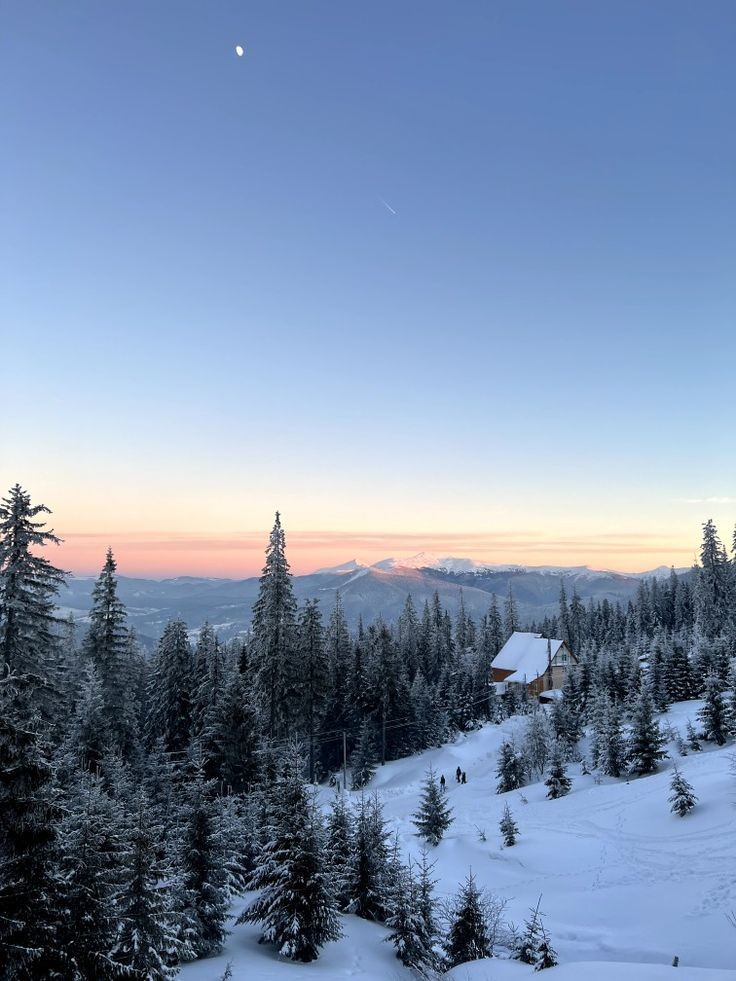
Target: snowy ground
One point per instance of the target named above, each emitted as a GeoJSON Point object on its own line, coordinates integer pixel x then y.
{"type": "Point", "coordinates": [622, 880]}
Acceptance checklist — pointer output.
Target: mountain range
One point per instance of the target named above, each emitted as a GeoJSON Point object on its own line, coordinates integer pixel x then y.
{"type": "Point", "coordinates": [367, 591]}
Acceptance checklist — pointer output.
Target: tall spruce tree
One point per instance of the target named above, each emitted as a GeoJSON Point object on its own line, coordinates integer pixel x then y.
{"type": "Point", "coordinates": [170, 689]}
{"type": "Point", "coordinates": [369, 877]}
{"type": "Point", "coordinates": [29, 810]}
{"type": "Point", "coordinates": [314, 672]}
{"type": "Point", "coordinates": [646, 742]}
{"type": "Point", "coordinates": [715, 713]}
{"type": "Point", "coordinates": [203, 876]}
{"type": "Point", "coordinates": [108, 649]}
{"type": "Point", "coordinates": [296, 907]}
{"type": "Point", "coordinates": [273, 647]}
{"type": "Point", "coordinates": [28, 587]}
{"type": "Point", "coordinates": [92, 848]}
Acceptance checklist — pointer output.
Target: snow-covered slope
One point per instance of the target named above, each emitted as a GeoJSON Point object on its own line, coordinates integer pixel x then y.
{"type": "Point", "coordinates": [625, 884]}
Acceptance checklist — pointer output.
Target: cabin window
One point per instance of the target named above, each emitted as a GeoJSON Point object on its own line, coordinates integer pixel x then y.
{"type": "Point", "coordinates": [563, 658]}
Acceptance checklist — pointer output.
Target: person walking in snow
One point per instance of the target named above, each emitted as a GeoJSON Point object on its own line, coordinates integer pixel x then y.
{"type": "Point", "coordinates": [463, 778]}
{"type": "Point", "coordinates": [442, 781]}
{"type": "Point", "coordinates": [458, 774]}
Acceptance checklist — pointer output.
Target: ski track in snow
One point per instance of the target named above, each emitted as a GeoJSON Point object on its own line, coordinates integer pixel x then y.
{"type": "Point", "coordinates": [625, 884]}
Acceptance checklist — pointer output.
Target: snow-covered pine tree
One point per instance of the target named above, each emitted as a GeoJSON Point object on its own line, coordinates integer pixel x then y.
{"type": "Point", "coordinates": [612, 748]}
{"type": "Point", "coordinates": [209, 678]}
{"type": "Point", "coordinates": [646, 742]}
{"type": "Point", "coordinates": [434, 816]}
{"type": "Point", "coordinates": [339, 848]}
{"type": "Point", "coordinates": [511, 769]}
{"type": "Point", "coordinates": [693, 741]}
{"type": "Point", "coordinates": [29, 810]}
{"type": "Point", "coordinates": [682, 796]}
{"type": "Point", "coordinates": [368, 882]}
{"type": "Point", "coordinates": [425, 884]}
{"type": "Point", "coordinates": [92, 844]}
{"type": "Point", "coordinates": [713, 583]}
{"type": "Point", "coordinates": [314, 676]}
{"type": "Point", "coordinates": [28, 587]}
{"type": "Point", "coordinates": [414, 945]}
{"type": "Point", "coordinates": [148, 936]}
{"type": "Point", "coordinates": [534, 944]}
{"type": "Point", "coordinates": [273, 646]}
{"type": "Point", "coordinates": [107, 648]}
{"type": "Point", "coordinates": [511, 617]}
{"type": "Point", "coordinates": [231, 737]}
{"type": "Point", "coordinates": [201, 868]}
{"type": "Point", "coordinates": [363, 761]}
{"type": "Point", "coordinates": [508, 827]}
{"type": "Point", "coordinates": [469, 935]}
{"type": "Point", "coordinates": [558, 782]}
{"type": "Point", "coordinates": [170, 689]}
{"type": "Point", "coordinates": [296, 907]}
{"type": "Point", "coordinates": [537, 741]}
{"type": "Point", "coordinates": [715, 714]}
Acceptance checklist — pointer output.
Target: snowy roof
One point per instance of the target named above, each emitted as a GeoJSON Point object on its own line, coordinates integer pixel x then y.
{"type": "Point", "coordinates": [527, 655]}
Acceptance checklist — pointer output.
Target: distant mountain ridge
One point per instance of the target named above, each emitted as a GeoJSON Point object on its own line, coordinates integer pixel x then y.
{"type": "Point", "coordinates": [367, 591]}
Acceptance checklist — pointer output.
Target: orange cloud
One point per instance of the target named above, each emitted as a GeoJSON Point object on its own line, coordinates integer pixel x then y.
{"type": "Point", "coordinates": [241, 554]}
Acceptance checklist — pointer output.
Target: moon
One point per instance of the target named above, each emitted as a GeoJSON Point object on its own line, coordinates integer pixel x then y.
{"type": "Point", "coordinates": [239, 50]}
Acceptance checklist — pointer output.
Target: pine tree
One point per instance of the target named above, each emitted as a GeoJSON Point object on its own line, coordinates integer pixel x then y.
{"type": "Point", "coordinates": [363, 760]}
{"type": "Point", "coordinates": [713, 583]}
{"type": "Point", "coordinates": [28, 587]}
{"type": "Point", "coordinates": [231, 738]}
{"type": "Point", "coordinates": [91, 865]}
{"type": "Point", "coordinates": [558, 783]}
{"type": "Point", "coordinates": [169, 689]}
{"type": "Point", "coordinates": [693, 742]}
{"type": "Point", "coordinates": [209, 678]}
{"type": "Point", "coordinates": [201, 867]}
{"type": "Point", "coordinates": [274, 638]}
{"type": "Point", "coordinates": [29, 942]}
{"type": "Point", "coordinates": [646, 742]}
{"type": "Point", "coordinates": [469, 934]}
{"type": "Point", "coordinates": [509, 828]}
{"type": "Point", "coordinates": [434, 816]}
{"type": "Point", "coordinates": [682, 797]}
{"type": "Point", "coordinates": [510, 769]}
{"type": "Point", "coordinates": [314, 672]}
{"type": "Point", "coordinates": [511, 617]}
{"type": "Point", "coordinates": [296, 907]}
{"type": "Point", "coordinates": [339, 848]}
{"type": "Point", "coordinates": [147, 937]}
{"type": "Point", "coordinates": [612, 748]}
{"type": "Point", "coordinates": [715, 715]}
{"type": "Point", "coordinates": [534, 946]}
{"type": "Point", "coordinates": [368, 881]}
{"type": "Point", "coordinates": [537, 739]}
{"type": "Point", "coordinates": [107, 648]}
{"type": "Point", "coordinates": [409, 934]}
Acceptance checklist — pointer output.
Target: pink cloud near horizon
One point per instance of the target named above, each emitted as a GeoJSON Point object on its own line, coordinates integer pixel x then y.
{"type": "Point", "coordinates": [161, 554]}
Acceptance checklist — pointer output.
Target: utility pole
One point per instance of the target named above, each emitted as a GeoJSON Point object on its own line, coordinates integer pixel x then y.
{"type": "Point", "coordinates": [344, 760]}
{"type": "Point", "coordinates": [383, 734]}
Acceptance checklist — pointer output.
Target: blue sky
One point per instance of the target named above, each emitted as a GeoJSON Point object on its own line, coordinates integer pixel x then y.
{"type": "Point", "coordinates": [222, 316]}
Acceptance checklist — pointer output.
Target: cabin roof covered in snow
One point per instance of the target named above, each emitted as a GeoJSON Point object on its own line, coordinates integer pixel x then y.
{"type": "Point", "coordinates": [526, 655]}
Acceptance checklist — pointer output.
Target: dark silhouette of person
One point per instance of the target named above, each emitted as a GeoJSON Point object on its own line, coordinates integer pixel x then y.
{"type": "Point", "coordinates": [458, 774]}
{"type": "Point", "coordinates": [442, 781]}
{"type": "Point", "coordinates": [463, 778]}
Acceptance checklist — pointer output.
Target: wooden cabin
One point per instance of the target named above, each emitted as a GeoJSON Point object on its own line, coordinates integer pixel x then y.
{"type": "Point", "coordinates": [538, 663]}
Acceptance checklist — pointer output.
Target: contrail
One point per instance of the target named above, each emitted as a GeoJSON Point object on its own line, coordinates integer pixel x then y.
{"type": "Point", "coordinates": [387, 206]}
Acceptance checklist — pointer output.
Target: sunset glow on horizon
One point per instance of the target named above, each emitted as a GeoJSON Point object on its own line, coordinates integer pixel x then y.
{"type": "Point", "coordinates": [241, 554]}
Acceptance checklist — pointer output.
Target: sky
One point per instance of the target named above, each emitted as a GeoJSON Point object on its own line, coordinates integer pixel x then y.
{"type": "Point", "coordinates": [455, 277]}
